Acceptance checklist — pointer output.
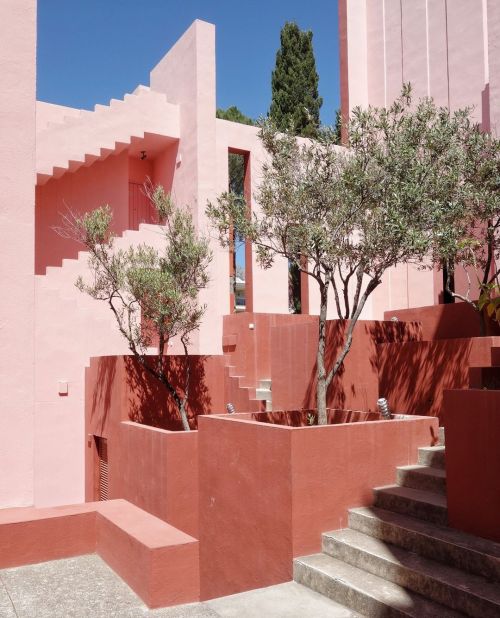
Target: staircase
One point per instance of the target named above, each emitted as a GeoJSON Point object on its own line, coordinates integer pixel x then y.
{"type": "Point", "coordinates": [82, 138]}
{"type": "Point", "coordinates": [243, 397]}
{"type": "Point", "coordinates": [398, 558]}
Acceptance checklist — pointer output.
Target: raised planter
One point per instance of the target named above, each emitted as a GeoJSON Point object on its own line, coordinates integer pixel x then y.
{"type": "Point", "coordinates": [268, 491]}
{"type": "Point", "coordinates": [154, 468]}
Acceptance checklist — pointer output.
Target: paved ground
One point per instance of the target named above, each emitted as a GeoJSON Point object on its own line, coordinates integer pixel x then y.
{"type": "Point", "coordinates": [85, 587]}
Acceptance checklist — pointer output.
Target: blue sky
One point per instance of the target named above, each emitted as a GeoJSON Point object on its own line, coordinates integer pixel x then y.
{"type": "Point", "coordinates": [90, 51]}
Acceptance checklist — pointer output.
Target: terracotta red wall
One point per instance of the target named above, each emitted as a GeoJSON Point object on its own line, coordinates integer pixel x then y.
{"type": "Point", "coordinates": [472, 424]}
{"type": "Point", "coordinates": [251, 350]}
{"type": "Point", "coordinates": [151, 466]}
{"type": "Point", "coordinates": [293, 363]}
{"type": "Point", "coordinates": [267, 492]}
{"type": "Point", "coordinates": [29, 535]}
{"type": "Point", "coordinates": [452, 321]}
{"type": "Point", "coordinates": [159, 562]}
{"type": "Point", "coordinates": [414, 375]}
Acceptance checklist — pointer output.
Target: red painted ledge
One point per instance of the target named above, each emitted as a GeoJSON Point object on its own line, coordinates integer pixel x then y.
{"type": "Point", "coordinates": [159, 562]}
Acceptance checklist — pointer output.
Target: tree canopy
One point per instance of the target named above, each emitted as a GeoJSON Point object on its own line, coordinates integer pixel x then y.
{"type": "Point", "coordinates": [234, 115]}
{"type": "Point", "coordinates": [345, 216]}
{"type": "Point", "coordinates": [152, 293]}
{"type": "Point", "coordinates": [295, 101]}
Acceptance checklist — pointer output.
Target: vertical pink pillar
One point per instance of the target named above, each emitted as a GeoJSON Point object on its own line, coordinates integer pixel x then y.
{"type": "Point", "coordinates": [187, 76]}
{"type": "Point", "coordinates": [17, 200]}
{"type": "Point", "coordinates": [493, 85]}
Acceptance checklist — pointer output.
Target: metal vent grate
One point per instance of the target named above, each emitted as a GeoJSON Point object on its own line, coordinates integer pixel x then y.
{"type": "Point", "coordinates": [102, 452]}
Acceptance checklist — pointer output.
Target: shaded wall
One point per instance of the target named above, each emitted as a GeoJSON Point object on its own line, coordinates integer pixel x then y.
{"type": "Point", "coordinates": [104, 182]}
{"type": "Point", "coordinates": [293, 363]}
{"type": "Point", "coordinates": [472, 423]}
{"type": "Point", "coordinates": [17, 200]}
{"type": "Point", "coordinates": [414, 375]}
{"type": "Point", "coordinates": [151, 466]}
{"type": "Point", "coordinates": [452, 321]}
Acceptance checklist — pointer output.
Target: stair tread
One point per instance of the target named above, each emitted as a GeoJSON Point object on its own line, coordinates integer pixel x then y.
{"type": "Point", "coordinates": [383, 591]}
{"type": "Point", "coordinates": [418, 495]}
{"type": "Point", "coordinates": [391, 554]}
{"type": "Point", "coordinates": [433, 531]}
{"type": "Point", "coordinates": [426, 470]}
{"type": "Point", "coordinates": [433, 449]}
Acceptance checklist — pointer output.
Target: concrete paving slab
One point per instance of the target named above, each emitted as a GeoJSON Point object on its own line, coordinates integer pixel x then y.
{"type": "Point", "coordinates": [86, 587]}
{"type": "Point", "coordinates": [6, 607]}
{"type": "Point", "coordinates": [290, 600]}
{"type": "Point", "coordinates": [73, 588]}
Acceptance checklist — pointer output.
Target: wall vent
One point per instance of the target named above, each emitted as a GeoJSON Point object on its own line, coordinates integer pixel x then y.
{"type": "Point", "coordinates": [102, 454]}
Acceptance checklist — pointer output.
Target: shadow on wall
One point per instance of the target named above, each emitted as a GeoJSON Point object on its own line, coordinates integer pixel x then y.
{"type": "Point", "coordinates": [149, 402]}
{"type": "Point", "coordinates": [414, 375]}
{"type": "Point", "coordinates": [102, 395]}
{"type": "Point", "coordinates": [356, 383]}
{"type": "Point", "coordinates": [306, 418]}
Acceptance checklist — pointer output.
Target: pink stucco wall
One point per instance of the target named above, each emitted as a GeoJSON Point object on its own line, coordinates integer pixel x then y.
{"type": "Point", "coordinates": [445, 49]}
{"type": "Point", "coordinates": [17, 200]}
{"type": "Point", "coordinates": [174, 121]}
{"type": "Point", "coordinates": [105, 182]}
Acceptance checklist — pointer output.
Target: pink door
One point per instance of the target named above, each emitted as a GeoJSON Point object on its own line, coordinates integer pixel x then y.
{"type": "Point", "coordinates": [140, 207]}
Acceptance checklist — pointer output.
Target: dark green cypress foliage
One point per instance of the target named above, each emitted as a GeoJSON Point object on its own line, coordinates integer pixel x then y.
{"type": "Point", "coordinates": [295, 99]}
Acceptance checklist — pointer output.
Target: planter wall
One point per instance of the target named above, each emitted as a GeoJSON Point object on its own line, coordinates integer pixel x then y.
{"type": "Point", "coordinates": [472, 424]}
{"type": "Point", "coordinates": [154, 468]}
{"type": "Point", "coordinates": [268, 491]}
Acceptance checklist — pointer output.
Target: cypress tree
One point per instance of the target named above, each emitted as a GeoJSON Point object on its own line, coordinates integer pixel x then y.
{"type": "Point", "coordinates": [295, 99]}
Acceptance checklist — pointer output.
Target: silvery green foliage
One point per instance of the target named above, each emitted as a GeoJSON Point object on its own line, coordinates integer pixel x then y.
{"type": "Point", "coordinates": [152, 293]}
{"type": "Point", "coordinates": [345, 216]}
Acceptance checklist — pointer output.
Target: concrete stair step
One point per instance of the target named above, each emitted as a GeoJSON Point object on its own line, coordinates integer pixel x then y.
{"type": "Point", "coordinates": [263, 393]}
{"type": "Point", "coordinates": [425, 505]}
{"type": "Point", "coordinates": [265, 384]}
{"type": "Point", "coordinates": [364, 592]}
{"type": "Point", "coordinates": [442, 439]}
{"type": "Point", "coordinates": [443, 584]}
{"type": "Point", "coordinates": [422, 477]}
{"type": "Point", "coordinates": [452, 547]}
{"type": "Point", "coordinates": [432, 456]}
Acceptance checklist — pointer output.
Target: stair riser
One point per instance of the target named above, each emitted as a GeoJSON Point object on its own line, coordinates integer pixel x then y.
{"type": "Point", "coordinates": [420, 480]}
{"type": "Point", "coordinates": [435, 549]}
{"type": "Point", "coordinates": [423, 584]}
{"type": "Point", "coordinates": [433, 459]}
{"type": "Point", "coordinates": [414, 508]}
{"type": "Point", "coordinates": [442, 439]}
{"type": "Point", "coordinates": [339, 591]}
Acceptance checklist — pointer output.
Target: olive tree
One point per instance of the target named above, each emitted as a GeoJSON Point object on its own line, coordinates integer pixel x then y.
{"type": "Point", "coordinates": [152, 293]}
{"type": "Point", "coordinates": [345, 216]}
{"type": "Point", "coordinates": [467, 227]}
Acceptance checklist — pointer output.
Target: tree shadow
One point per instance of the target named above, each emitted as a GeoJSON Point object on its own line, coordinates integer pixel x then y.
{"type": "Point", "coordinates": [367, 336]}
{"type": "Point", "coordinates": [102, 394]}
{"type": "Point", "coordinates": [414, 375]}
{"type": "Point", "coordinates": [306, 418]}
{"type": "Point", "coordinates": [149, 401]}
